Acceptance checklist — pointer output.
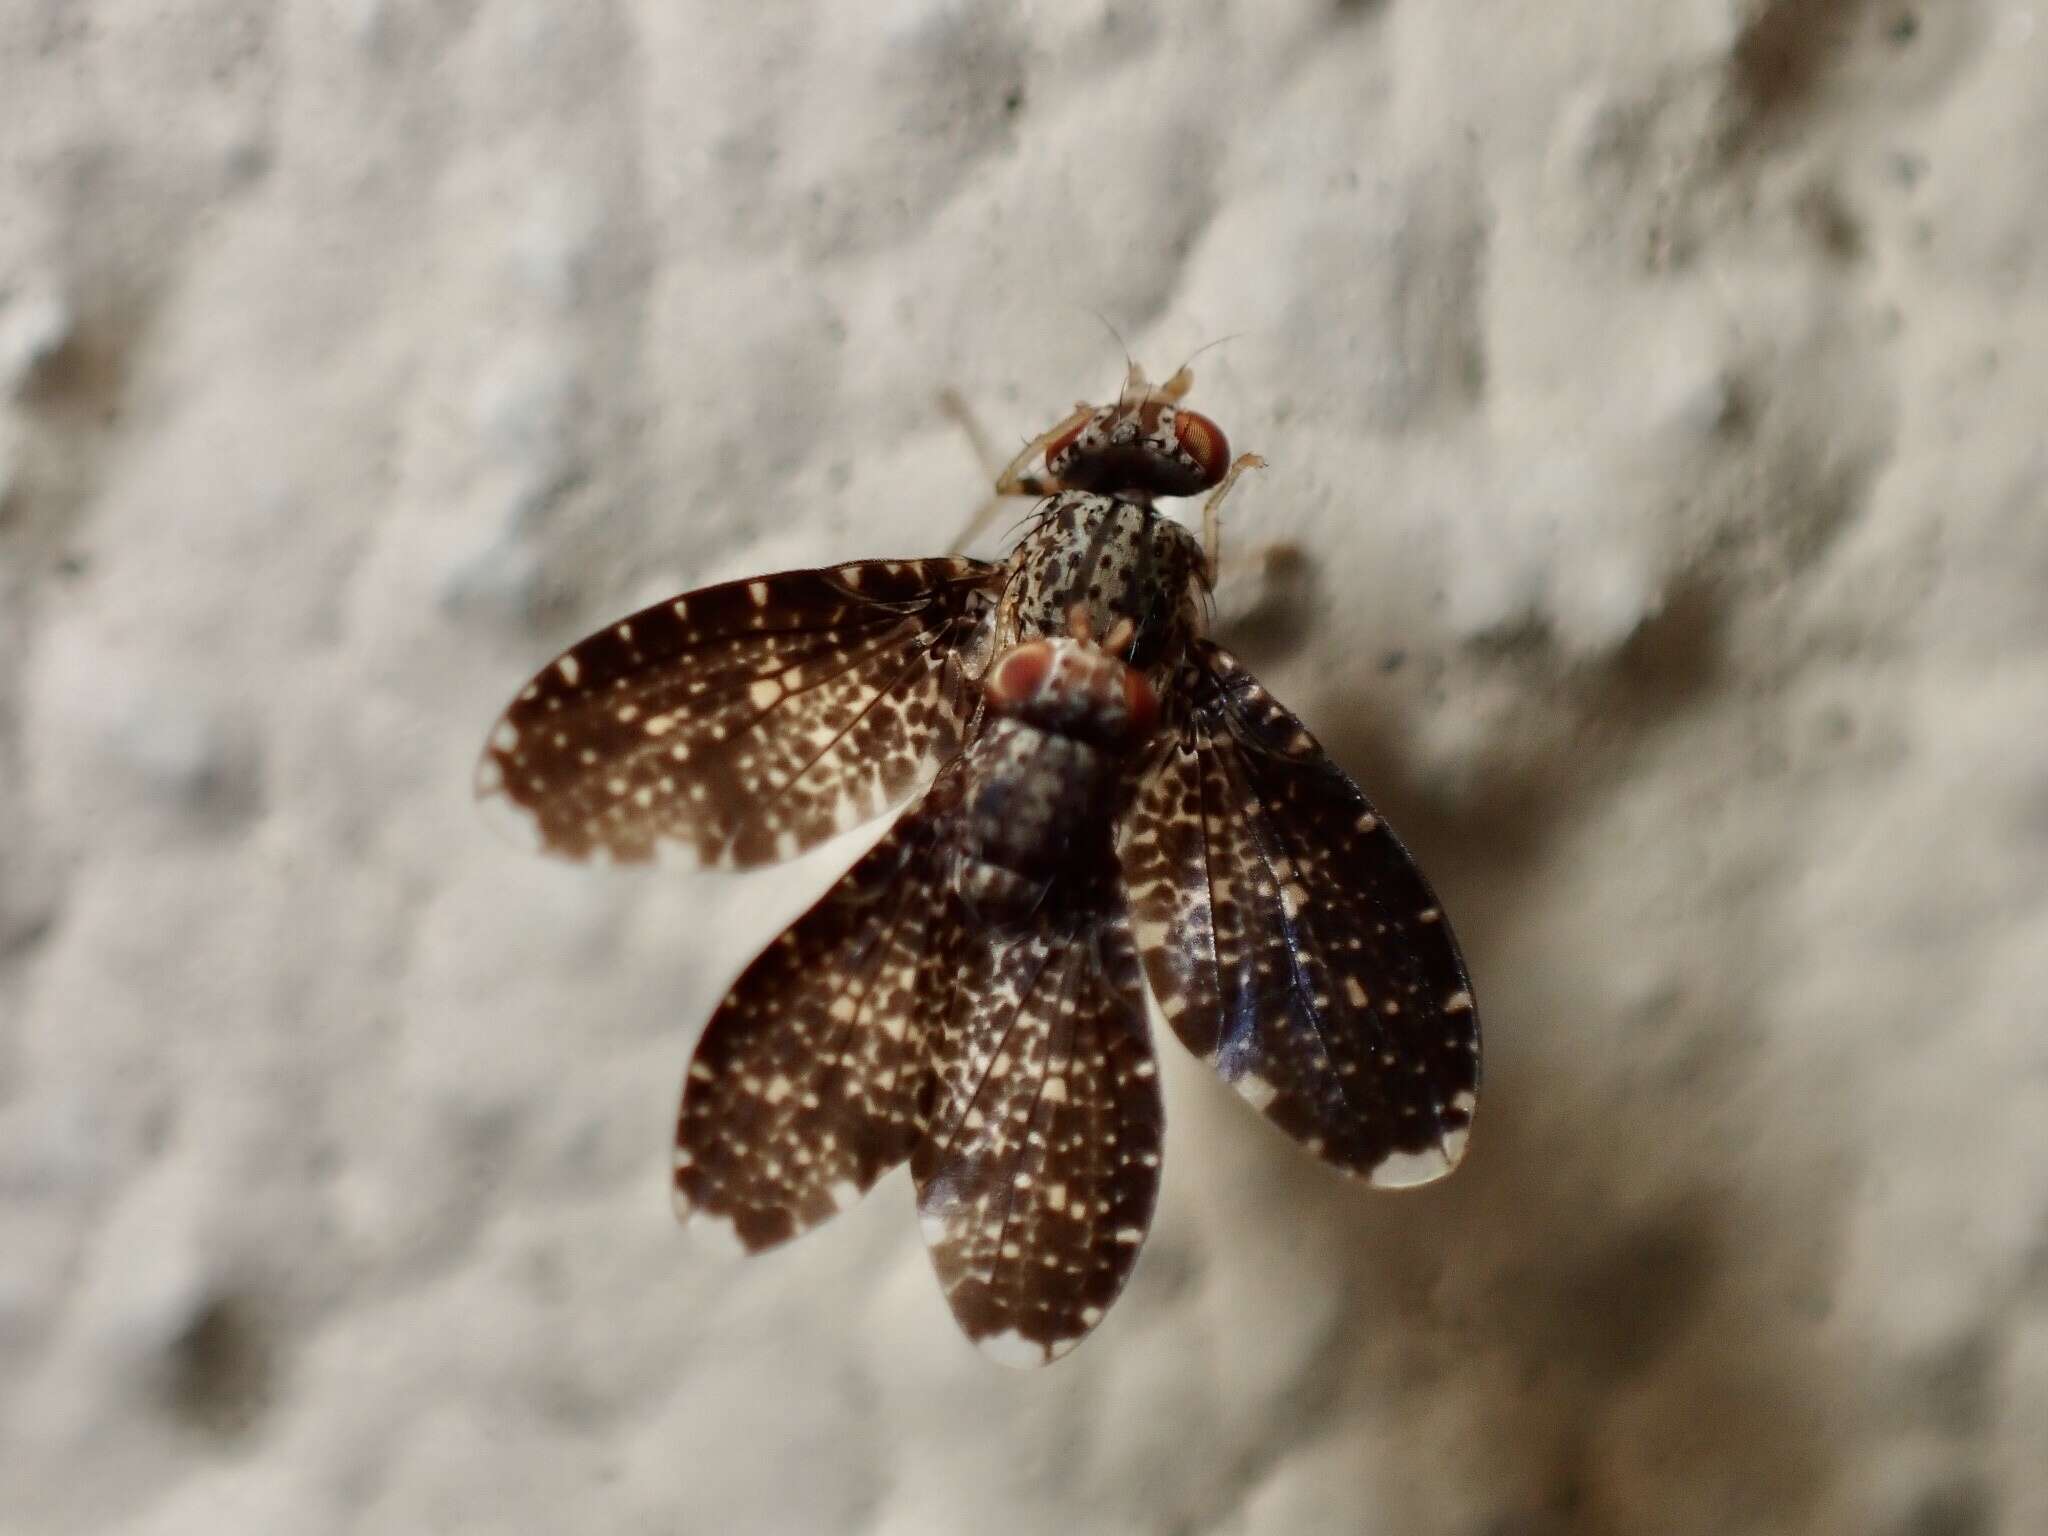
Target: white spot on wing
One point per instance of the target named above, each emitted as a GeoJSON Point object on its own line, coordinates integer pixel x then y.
{"type": "Point", "coordinates": [1258, 1091]}
{"type": "Point", "coordinates": [1405, 1170]}
{"type": "Point", "coordinates": [571, 670]}
{"type": "Point", "coordinates": [1454, 1147]}
{"type": "Point", "coordinates": [708, 1231]}
{"type": "Point", "coordinates": [674, 853]}
{"type": "Point", "coordinates": [1454, 1141]}
{"type": "Point", "coordinates": [1012, 1349]}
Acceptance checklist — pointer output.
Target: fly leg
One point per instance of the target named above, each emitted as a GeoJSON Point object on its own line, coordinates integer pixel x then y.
{"type": "Point", "coordinates": [1212, 523]}
{"type": "Point", "coordinates": [1012, 479]}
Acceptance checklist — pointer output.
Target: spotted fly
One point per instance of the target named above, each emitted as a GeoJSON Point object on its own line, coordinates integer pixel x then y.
{"type": "Point", "coordinates": [1106, 805]}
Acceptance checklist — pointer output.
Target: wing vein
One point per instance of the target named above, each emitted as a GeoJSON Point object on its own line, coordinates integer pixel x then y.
{"type": "Point", "coordinates": [872, 958]}
{"type": "Point", "coordinates": [1265, 834]}
{"type": "Point", "coordinates": [1002, 1043]}
{"type": "Point", "coordinates": [1071, 977]}
{"type": "Point", "coordinates": [776, 796]}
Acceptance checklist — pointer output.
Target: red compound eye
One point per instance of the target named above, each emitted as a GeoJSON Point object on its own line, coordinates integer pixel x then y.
{"type": "Point", "coordinates": [1142, 702]}
{"type": "Point", "coordinates": [1203, 441]}
{"type": "Point", "coordinates": [1018, 676]}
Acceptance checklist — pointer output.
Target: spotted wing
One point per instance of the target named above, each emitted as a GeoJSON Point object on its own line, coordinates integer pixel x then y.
{"type": "Point", "coordinates": [744, 723]}
{"type": "Point", "coordinates": [1291, 941]}
{"type": "Point", "coordinates": [810, 1081]}
{"type": "Point", "coordinates": [1036, 1178]}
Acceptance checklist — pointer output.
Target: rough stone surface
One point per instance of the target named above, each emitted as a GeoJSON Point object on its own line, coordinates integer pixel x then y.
{"type": "Point", "coordinates": [1655, 400]}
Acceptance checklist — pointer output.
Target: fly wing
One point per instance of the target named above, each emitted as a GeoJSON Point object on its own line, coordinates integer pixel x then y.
{"type": "Point", "coordinates": [811, 1080]}
{"type": "Point", "coordinates": [744, 723]}
{"type": "Point", "coordinates": [1291, 941]}
{"type": "Point", "coordinates": [1038, 1171]}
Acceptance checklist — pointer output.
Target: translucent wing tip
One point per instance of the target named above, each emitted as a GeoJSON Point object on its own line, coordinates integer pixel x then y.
{"type": "Point", "coordinates": [713, 1233]}
{"type": "Point", "coordinates": [1407, 1170]}
{"type": "Point", "coordinates": [512, 823]}
{"type": "Point", "coordinates": [1012, 1350]}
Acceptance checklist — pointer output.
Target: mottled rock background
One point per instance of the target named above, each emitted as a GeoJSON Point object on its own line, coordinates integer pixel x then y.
{"type": "Point", "coordinates": [1655, 395]}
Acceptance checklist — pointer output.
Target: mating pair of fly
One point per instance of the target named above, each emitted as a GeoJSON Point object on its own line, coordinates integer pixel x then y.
{"type": "Point", "coordinates": [1107, 803]}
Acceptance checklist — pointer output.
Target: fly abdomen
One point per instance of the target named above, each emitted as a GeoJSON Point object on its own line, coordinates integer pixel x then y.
{"type": "Point", "coordinates": [1065, 713]}
{"type": "Point", "coordinates": [1027, 791]}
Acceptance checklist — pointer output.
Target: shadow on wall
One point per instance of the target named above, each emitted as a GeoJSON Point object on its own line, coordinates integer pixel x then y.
{"type": "Point", "coordinates": [1617, 1325]}
{"type": "Point", "coordinates": [1607, 1326]}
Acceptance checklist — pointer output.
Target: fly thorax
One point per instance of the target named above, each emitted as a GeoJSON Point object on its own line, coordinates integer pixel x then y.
{"type": "Point", "coordinates": [1116, 558]}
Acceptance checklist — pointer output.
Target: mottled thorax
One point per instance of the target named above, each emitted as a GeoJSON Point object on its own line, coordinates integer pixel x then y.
{"type": "Point", "coordinates": [1121, 560]}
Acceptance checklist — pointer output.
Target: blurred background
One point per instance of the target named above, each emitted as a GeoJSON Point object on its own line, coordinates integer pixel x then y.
{"type": "Point", "coordinates": [1654, 400]}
